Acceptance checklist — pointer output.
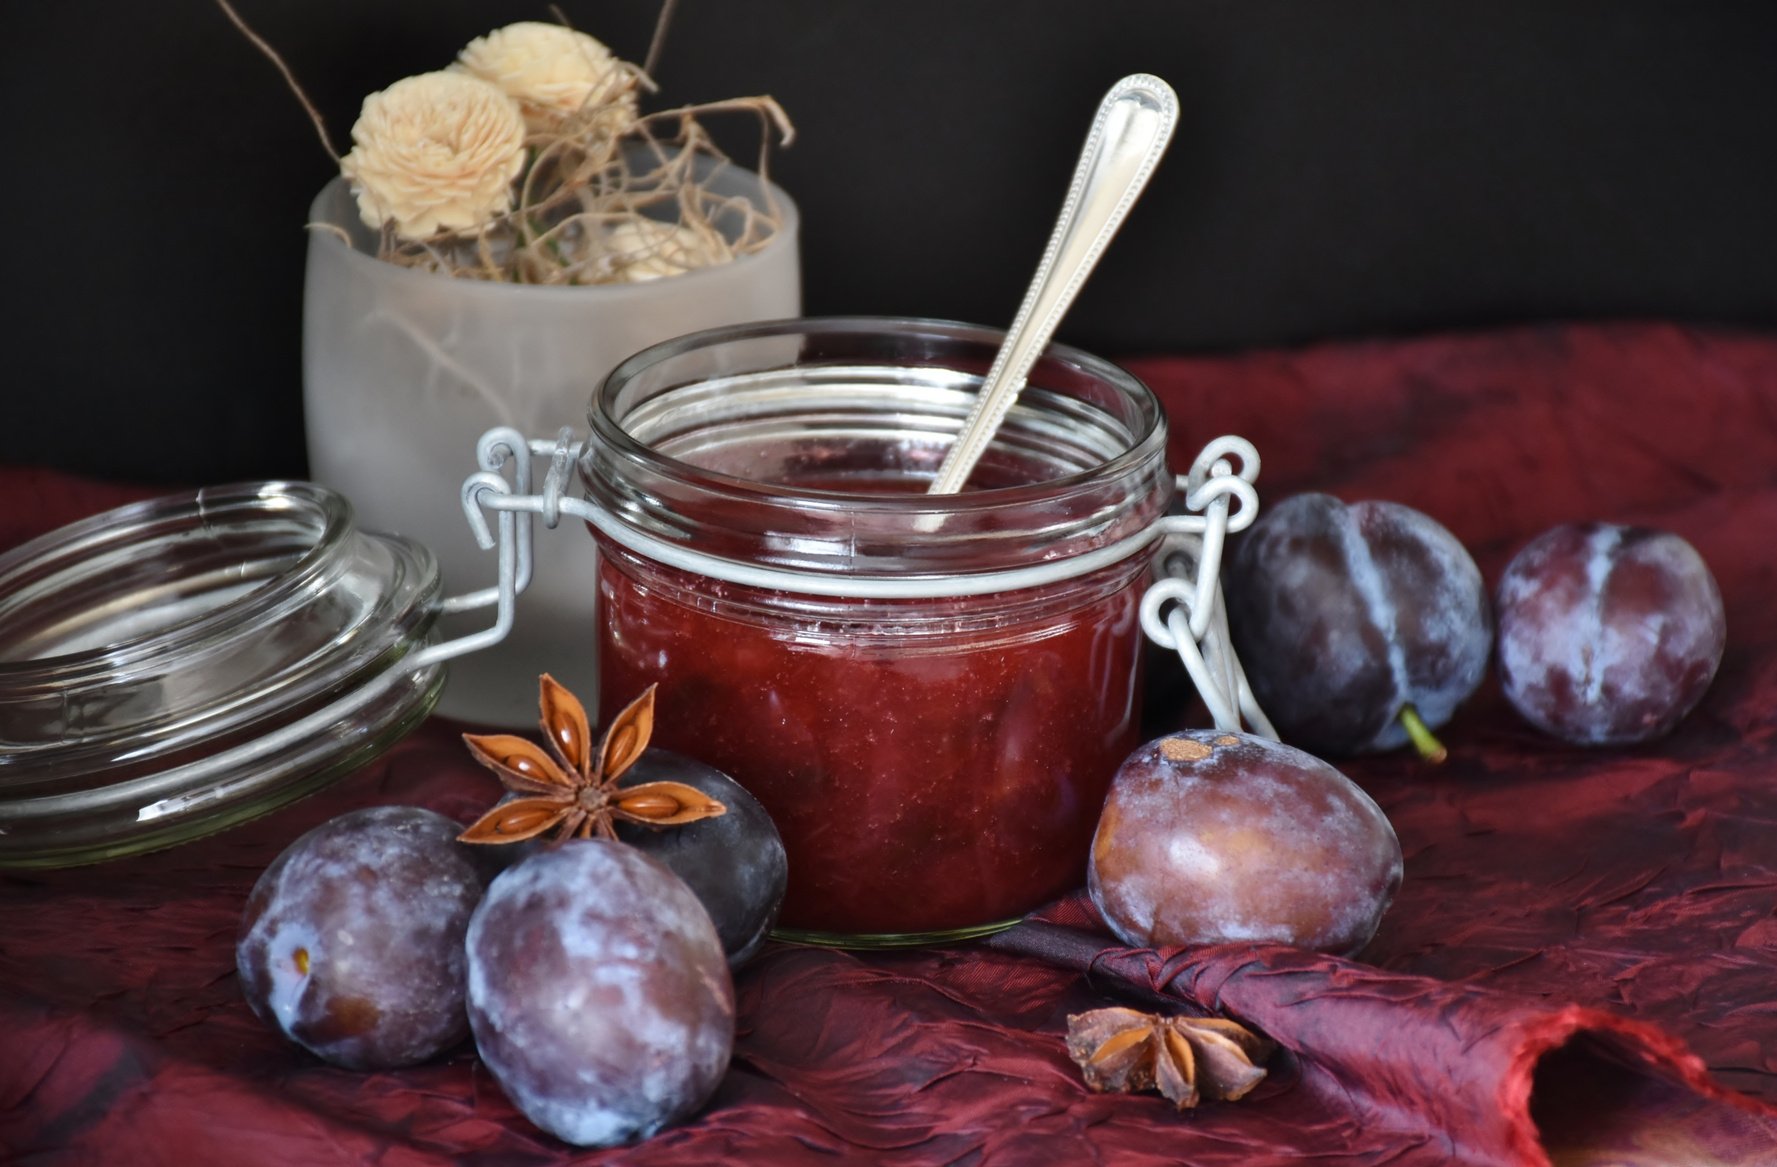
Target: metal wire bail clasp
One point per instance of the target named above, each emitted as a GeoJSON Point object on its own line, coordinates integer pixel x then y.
{"type": "Point", "coordinates": [512, 504]}
{"type": "Point", "coordinates": [1190, 564]}
{"type": "Point", "coordinates": [489, 490]}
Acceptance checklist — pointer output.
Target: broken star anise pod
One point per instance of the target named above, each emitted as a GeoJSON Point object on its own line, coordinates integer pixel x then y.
{"type": "Point", "coordinates": [1185, 1058]}
{"type": "Point", "coordinates": [572, 788]}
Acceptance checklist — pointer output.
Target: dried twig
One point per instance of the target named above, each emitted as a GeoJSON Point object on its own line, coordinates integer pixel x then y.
{"type": "Point", "coordinates": [263, 46]}
{"type": "Point", "coordinates": [602, 169]}
{"type": "Point", "coordinates": [607, 194]}
{"type": "Point", "coordinates": [657, 45]}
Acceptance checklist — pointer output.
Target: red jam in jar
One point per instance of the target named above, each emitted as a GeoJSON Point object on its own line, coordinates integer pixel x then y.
{"type": "Point", "coordinates": [928, 693]}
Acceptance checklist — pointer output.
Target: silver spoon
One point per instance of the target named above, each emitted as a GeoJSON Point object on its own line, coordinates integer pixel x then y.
{"type": "Point", "coordinates": [1129, 133]}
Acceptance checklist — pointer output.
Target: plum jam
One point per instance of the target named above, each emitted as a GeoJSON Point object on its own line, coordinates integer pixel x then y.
{"type": "Point", "coordinates": [929, 694]}
{"type": "Point", "coordinates": [930, 765]}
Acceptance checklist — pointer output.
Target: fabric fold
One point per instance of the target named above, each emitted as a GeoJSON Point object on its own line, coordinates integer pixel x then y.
{"type": "Point", "coordinates": [1502, 1079]}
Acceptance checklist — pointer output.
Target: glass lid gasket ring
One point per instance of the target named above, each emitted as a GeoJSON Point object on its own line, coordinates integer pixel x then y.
{"type": "Point", "coordinates": [115, 822]}
{"type": "Point", "coordinates": [332, 520]}
{"type": "Point", "coordinates": [609, 430]}
{"type": "Point", "coordinates": [214, 779]}
{"type": "Point", "coordinates": [854, 585]}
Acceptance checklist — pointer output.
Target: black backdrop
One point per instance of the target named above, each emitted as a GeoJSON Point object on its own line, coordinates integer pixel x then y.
{"type": "Point", "coordinates": [1342, 169]}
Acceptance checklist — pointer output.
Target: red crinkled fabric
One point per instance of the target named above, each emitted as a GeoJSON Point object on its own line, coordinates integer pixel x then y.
{"type": "Point", "coordinates": [1438, 1064]}
{"type": "Point", "coordinates": [1580, 969]}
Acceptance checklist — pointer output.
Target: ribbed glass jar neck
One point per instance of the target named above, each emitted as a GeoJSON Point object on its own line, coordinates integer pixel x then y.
{"type": "Point", "coordinates": [806, 446]}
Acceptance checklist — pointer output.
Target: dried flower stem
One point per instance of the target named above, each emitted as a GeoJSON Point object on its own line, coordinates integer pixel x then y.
{"type": "Point", "coordinates": [657, 44]}
{"type": "Point", "coordinates": [271, 54]}
{"type": "Point", "coordinates": [603, 193]}
{"type": "Point", "coordinates": [579, 183]}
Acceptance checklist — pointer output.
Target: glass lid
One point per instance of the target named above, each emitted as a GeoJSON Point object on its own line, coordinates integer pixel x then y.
{"type": "Point", "coordinates": [176, 666]}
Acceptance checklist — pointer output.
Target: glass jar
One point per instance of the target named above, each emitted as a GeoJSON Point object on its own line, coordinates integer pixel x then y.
{"type": "Point", "coordinates": [929, 693]}
{"type": "Point", "coordinates": [176, 666]}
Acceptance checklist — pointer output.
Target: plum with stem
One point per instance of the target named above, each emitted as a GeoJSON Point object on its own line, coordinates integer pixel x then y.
{"type": "Point", "coordinates": [1361, 627]}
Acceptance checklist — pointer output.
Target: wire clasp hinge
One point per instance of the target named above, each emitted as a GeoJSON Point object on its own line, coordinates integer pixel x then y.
{"type": "Point", "coordinates": [510, 535]}
{"type": "Point", "coordinates": [1189, 565]}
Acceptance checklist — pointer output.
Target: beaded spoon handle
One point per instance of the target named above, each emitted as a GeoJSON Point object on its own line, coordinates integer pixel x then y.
{"type": "Point", "coordinates": [1129, 133]}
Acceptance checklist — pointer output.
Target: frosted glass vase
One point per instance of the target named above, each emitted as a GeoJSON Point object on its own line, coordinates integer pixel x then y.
{"type": "Point", "coordinates": [404, 370]}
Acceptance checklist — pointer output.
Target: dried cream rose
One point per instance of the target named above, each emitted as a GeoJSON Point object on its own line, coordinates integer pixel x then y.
{"type": "Point", "coordinates": [647, 249]}
{"type": "Point", "coordinates": [436, 151]}
{"type": "Point", "coordinates": [553, 72]}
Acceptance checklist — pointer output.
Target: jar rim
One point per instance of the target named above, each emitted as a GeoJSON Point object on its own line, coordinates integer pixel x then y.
{"type": "Point", "coordinates": [721, 449]}
{"type": "Point", "coordinates": [610, 431]}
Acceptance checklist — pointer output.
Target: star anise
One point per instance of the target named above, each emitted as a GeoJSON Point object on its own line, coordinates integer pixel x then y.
{"type": "Point", "coordinates": [1185, 1058]}
{"type": "Point", "coordinates": [573, 788]}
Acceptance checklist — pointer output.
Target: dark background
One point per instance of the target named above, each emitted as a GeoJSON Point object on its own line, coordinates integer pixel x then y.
{"type": "Point", "coordinates": [1342, 169]}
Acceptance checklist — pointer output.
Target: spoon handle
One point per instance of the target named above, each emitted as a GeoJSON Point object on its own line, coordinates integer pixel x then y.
{"type": "Point", "coordinates": [1129, 133]}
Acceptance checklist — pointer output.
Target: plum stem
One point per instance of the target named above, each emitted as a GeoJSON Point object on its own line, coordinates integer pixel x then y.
{"type": "Point", "coordinates": [1426, 742]}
